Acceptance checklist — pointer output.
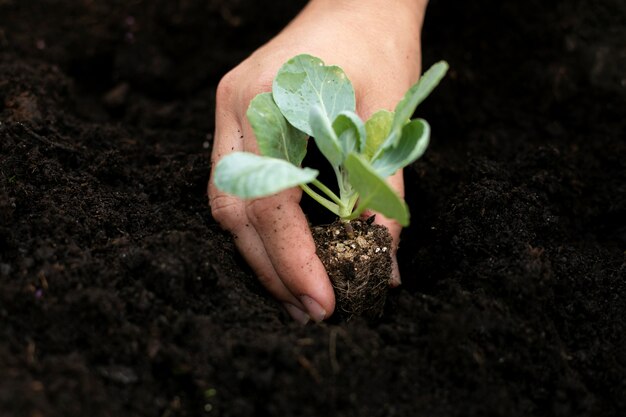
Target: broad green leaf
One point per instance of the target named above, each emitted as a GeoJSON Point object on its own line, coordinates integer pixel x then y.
{"type": "Point", "coordinates": [325, 137]}
{"type": "Point", "coordinates": [375, 193]}
{"type": "Point", "coordinates": [247, 175]}
{"type": "Point", "coordinates": [412, 145]}
{"type": "Point", "coordinates": [304, 82]}
{"type": "Point", "coordinates": [377, 128]}
{"type": "Point", "coordinates": [417, 93]}
{"type": "Point", "coordinates": [351, 132]}
{"type": "Point", "coordinates": [275, 136]}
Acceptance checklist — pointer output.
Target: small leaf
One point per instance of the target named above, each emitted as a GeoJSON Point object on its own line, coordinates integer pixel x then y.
{"type": "Point", "coordinates": [375, 193]}
{"type": "Point", "coordinates": [247, 175]}
{"type": "Point", "coordinates": [417, 93]}
{"type": "Point", "coordinates": [351, 132]}
{"type": "Point", "coordinates": [304, 82]}
{"type": "Point", "coordinates": [275, 136]}
{"type": "Point", "coordinates": [412, 145]}
{"type": "Point", "coordinates": [377, 128]}
{"type": "Point", "coordinates": [325, 137]}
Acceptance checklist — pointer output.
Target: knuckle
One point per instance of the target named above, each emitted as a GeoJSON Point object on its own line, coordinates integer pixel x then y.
{"type": "Point", "coordinates": [258, 209]}
{"type": "Point", "coordinates": [281, 205]}
{"type": "Point", "coordinates": [264, 81]}
{"type": "Point", "coordinates": [261, 83]}
{"type": "Point", "coordinates": [227, 211]}
{"type": "Point", "coordinates": [238, 84]}
{"type": "Point", "coordinates": [226, 87]}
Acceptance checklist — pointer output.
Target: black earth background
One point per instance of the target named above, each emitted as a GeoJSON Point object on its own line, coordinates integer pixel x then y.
{"type": "Point", "coordinates": [120, 295]}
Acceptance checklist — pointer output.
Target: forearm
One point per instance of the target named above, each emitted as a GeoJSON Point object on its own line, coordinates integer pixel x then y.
{"type": "Point", "coordinates": [392, 24]}
{"type": "Point", "coordinates": [405, 10]}
{"type": "Point", "coordinates": [412, 5]}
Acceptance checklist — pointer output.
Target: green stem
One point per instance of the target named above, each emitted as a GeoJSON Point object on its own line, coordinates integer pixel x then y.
{"type": "Point", "coordinates": [344, 212]}
{"type": "Point", "coordinates": [355, 213]}
{"type": "Point", "coordinates": [339, 175]}
{"type": "Point", "coordinates": [347, 208]}
{"type": "Point", "coordinates": [328, 192]}
{"type": "Point", "coordinates": [352, 201]}
{"type": "Point", "coordinates": [323, 201]}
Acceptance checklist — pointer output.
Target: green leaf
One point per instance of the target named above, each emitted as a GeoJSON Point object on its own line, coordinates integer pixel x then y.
{"type": "Point", "coordinates": [325, 137]}
{"type": "Point", "coordinates": [417, 93]}
{"type": "Point", "coordinates": [375, 193]}
{"type": "Point", "coordinates": [351, 132]}
{"type": "Point", "coordinates": [377, 128]}
{"type": "Point", "coordinates": [247, 175]}
{"type": "Point", "coordinates": [304, 82]}
{"type": "Point", "coordinates": [412, 145]}
{"type": "Point", "coordinates": [406, 107]}
{"type": "Point", "coordinates": [275, 136]}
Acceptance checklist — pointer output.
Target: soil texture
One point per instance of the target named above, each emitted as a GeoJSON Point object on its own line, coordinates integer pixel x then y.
{"type": "Point", "coordinates": [121, 296]}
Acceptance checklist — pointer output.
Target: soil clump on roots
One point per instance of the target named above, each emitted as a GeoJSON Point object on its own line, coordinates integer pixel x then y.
{"type": "Point", "coordinates": [358, 264]}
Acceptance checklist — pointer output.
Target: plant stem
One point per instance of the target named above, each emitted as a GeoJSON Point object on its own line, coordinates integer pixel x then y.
{"type": "Point", "coordinates": [352, 201]}
{"type": "Point", "coordinates": [346, 210]}
{"type": "Point", "coordinates": [340, 181]}
{"type": "Point", "coordinates": [334, 208]}
{"type": "Point", "coordinates": [355, 213]}
{"type": "Point", "coordinates": [328, 192]}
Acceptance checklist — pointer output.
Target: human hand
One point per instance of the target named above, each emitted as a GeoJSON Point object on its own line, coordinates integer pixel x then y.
{"type": "Point", "coordinates": [379, 48]}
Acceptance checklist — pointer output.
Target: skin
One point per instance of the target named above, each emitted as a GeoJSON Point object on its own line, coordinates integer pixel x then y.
{"type": "Point", "coordinates": [378, 46]}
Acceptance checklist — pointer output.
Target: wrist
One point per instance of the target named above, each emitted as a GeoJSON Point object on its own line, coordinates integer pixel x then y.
{"type": "Point", "coordinates": [412, 9]}
{"type": "Point", "coordinates": [399, 25]}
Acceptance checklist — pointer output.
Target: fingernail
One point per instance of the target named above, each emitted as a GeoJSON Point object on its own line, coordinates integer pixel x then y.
{"type": "Point", "coordinates": [297, 314]}
{"type": "Point", "coordinates": [316, 312]}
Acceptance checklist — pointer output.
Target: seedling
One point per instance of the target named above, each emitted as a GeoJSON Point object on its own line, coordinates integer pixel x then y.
{"type": "Point", "coordinates": [309, 98]}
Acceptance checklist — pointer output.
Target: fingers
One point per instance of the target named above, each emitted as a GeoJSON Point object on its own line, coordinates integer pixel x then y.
{"type": "Point", "coordinates": [284, 234]}
{"type": "Point", "coordinates": [283, 229]}
{"type": "Point", "coordinates": [273, 237]}
{"type": "Point", "coordinates": [229, 211]}
{"type": "Point", "coordinates": [251, 247]}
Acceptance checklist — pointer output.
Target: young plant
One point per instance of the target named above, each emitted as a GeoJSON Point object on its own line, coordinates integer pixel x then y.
{"type": "Point", "coordinates": [309, 98]}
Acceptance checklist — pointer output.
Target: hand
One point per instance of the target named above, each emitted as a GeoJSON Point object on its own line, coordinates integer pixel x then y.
{"type": "Point", "coordinates": [378, 46]}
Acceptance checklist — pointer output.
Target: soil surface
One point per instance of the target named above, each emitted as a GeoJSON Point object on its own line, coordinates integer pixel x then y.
{"type": "Point", "coordinates": [120, 295]}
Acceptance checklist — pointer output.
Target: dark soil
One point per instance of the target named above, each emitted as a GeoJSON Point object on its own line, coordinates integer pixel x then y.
{"type": "Point", "coordinates": [358, 262]}
{"type": "Point", "coordinates": [120, 296]}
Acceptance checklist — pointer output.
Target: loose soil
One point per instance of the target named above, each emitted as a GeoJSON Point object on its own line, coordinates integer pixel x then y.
{"type": "Point", "coordinates": [120, 295]}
